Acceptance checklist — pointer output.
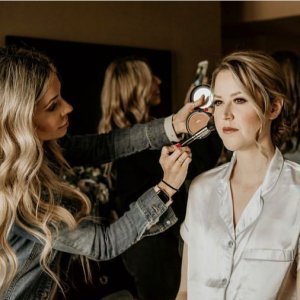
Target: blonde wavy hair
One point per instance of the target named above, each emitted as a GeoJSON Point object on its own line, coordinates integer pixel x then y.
{"type": "Point", "coordinates": [261, 77]}
{"type": "Point", "coordinates": [125, 94]}
{"type": "Point", "coordinates": [31, 191]}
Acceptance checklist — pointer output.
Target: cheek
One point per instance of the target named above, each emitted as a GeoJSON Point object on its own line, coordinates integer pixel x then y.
{"type": "Point", "coordinates": [217, 120]}
{"type": "Point", "coordinates": [46, 125]}
{"type": "Point", "coordinates": [251, 124]}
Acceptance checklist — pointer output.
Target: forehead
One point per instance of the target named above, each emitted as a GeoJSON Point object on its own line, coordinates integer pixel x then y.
{"type": "Point", "coordinates": [227, 83]}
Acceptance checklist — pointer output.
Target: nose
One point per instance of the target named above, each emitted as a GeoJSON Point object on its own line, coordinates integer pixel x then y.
{"type": "Point", "coordinates": [227, 113]}
{"type": "Point", "coordinates": [66, 108]}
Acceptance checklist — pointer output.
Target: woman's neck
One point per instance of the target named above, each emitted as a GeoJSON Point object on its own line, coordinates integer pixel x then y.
{"type": "Point", "coordinates": [251, 165]}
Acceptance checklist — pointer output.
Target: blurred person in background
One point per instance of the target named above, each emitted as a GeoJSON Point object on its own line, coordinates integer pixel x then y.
{"type": "Point", "coordinates": [290, 66]}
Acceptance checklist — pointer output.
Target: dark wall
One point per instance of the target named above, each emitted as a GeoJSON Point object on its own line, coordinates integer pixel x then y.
{"type": "Point", "coordinates": [269, 35]}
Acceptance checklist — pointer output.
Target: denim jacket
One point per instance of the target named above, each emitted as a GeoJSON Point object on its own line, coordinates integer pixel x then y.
{"type": "Point", "coordinates": [147, 216]}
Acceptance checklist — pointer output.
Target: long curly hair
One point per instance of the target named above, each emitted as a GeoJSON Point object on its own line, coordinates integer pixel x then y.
{"type": "Point", "coordinates": [31, 192]}
{"type": "Point", "coordinates": [262, 78]}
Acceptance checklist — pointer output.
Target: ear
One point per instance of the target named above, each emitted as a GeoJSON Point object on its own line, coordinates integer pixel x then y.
{"type": "Point", "coordinates": [275, 108]}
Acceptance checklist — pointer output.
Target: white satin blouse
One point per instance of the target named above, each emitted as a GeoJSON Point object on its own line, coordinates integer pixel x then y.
{"type": "Point", "coordinates": [258, 259]}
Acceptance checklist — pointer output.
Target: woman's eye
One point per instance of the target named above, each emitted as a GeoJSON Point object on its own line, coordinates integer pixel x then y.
{"type": "Point", "coordinates": [217, 102]}
{"type": "Point", "coordinates": [240, 100]}
{"type": "Point", "coordinates": [52, 106]}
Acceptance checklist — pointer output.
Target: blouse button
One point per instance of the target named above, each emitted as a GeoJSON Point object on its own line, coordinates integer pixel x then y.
{"type": "Point", "coordinates": [224, 281]}
{"type": "Point", "coordinates": [230, 244]}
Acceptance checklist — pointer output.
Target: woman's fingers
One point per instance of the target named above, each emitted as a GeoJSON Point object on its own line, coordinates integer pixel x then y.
{"type": "Point", "coordinates": [187, 161]}
{"type": "Point", "coordinates": [171, 154]}
{"type": "Point", "coordinates": [174, 161]}
{"type": "Point", "coordinates": [181, 159]}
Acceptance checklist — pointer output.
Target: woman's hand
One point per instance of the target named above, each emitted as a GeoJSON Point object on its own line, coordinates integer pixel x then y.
{"type": "Point", "coordinates": [174, 162]}
{"type": "Point", "coordinates": [179, 119]}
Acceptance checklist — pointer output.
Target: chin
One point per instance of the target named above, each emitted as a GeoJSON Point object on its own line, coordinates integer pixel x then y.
{"type": "Point", "coordinates": [231, 146]}
{"type": "Point", "coordinates": [60, 134]}
{"type": "Point", "coordinates": [154, 102]}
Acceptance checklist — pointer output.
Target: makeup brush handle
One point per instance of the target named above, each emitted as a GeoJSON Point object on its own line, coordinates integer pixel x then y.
{"type": "Point", "coordinates": [199, 135]}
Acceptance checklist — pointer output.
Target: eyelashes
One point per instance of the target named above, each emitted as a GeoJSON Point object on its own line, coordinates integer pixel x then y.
{"type": "Point", "coordinates": [52, 106]}
{"type": "Point", "coordinates": [240, 100]}
{"type": "Point", "coordinates": [217, 102]}
{"type": "Point", "coordinates": [235, 100]}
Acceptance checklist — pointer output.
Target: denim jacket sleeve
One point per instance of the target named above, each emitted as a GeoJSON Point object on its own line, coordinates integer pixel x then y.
{"type": "Point", "coordinates": [94, 149]}
{"type": "Point", "coordinates": [147, 216]}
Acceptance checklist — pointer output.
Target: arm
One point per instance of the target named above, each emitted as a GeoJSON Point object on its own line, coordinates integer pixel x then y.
{"type": "Point", "coordinates": [182, 293]}
{"type": "Point", "coordinates": [95, 149]}
{"type": "Point", "coordinates": [99, 242]}
{"type": "Point", "coordinates": [148, 215]}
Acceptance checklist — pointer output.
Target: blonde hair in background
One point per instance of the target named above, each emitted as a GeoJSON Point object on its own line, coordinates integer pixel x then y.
{"type": "Point", "coordinates": [261, 77]}
{"type": "Point", "coordinates": [124, 98]}
{"type": "Point", "coordinates": [125, 94]}
{"type": "Point", "coordinates": [31, 192]}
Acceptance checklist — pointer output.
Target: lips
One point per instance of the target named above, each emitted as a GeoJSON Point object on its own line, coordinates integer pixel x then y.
{"type": "Point", "coordinates": [228, 130]}
{"type": "Point", "coordinates": [65, 124]}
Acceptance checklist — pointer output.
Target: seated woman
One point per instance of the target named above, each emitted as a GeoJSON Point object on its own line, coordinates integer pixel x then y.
{"type": "Point", "coordinates": [242, 225]}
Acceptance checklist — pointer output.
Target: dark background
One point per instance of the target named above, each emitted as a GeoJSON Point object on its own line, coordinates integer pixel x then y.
{"type": "Point", "coordinates": [81, 67]}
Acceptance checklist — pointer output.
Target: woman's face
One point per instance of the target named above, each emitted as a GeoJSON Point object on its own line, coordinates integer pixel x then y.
{"type": "Point", "coordinates": [51, 113]}
{"type": "Point", "coordinates": [236, 119]}
{"type": "Point", "coordinates": [155, 91]}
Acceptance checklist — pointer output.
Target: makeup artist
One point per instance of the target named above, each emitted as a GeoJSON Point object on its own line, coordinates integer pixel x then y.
{"type": "Point", "coordinates": [242, 226]}
{"type": "Point", "coordinates": [41, 215]}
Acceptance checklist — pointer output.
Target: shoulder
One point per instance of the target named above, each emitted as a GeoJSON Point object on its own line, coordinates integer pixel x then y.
{"type": "Point", "coordinates": [210, 177]}
{"type": "Point", "coordinates": [204, 191]}
{"type": "Point", "coordinates": [291, 172]}
{"type": "Point", "coordinates": [207, 184]}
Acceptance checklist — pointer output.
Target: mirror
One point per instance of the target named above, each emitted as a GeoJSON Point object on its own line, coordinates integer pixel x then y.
{"type": "Point", "coordinates": [199, 91]}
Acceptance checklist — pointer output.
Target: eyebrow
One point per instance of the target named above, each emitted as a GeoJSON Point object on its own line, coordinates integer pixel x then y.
{"type": "Point", "coordinates": [232, 95]}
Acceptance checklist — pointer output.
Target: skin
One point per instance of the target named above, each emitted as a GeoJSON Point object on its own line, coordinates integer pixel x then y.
{"type": "Point", "coordinates": [237, 123]}
{"type": "Point", "coordinates": [236, 120]}
{"type": "Point", "coordinates": [51, 113]}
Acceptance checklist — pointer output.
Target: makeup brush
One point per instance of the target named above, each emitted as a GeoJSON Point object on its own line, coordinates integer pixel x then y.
{"type": "Point", "coordinates": [201, 134]}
